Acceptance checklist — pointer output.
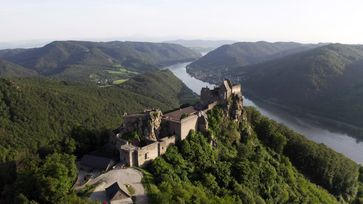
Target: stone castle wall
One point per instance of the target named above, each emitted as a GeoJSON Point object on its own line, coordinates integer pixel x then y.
{"type": "Point", "coordinates": [174, 128]}
{"type": "Point", "coordinates": [207, 96]}
{"type": "Point", "coordinates": [158, 129]}
{"type": "Point", "coordinates": [165, 143]}
{"type": "Point", "coordinates": [188, 124]}
{"type": "Point", "coordinates": [147, 153]}
{"type": "Point", "coordinates": [211, 106]}
{"type": "Point", "coordinates": [127, 157]}
{"type": "Point", "coordinates": [236, 89]}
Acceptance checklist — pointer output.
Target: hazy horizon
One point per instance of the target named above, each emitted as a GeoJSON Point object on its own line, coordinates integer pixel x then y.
{"type": "Point", "coordinates": [308, 21]}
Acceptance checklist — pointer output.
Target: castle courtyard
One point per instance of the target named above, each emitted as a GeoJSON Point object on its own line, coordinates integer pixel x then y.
{"type": "Point", "coordinates": [124, 177]}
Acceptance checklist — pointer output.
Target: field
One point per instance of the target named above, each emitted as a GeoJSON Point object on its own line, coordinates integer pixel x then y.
{"type": "Point", "coordinates": [115, 75]}
{"type": "Point", "coordinates": [119, 81]}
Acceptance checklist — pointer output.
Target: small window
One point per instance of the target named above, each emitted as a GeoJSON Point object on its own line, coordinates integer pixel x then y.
{"type": "Point", "coordinates": [146, 156]}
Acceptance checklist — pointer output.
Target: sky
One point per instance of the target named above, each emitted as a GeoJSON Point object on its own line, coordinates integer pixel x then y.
{"type": "Point", "coordinates": [309, 21]}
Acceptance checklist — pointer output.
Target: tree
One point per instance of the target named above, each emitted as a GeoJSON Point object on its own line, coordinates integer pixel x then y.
{"type": "Point", "coordinates": [51, 181]}
{"type": "Point", "coordinates": [278, 142]}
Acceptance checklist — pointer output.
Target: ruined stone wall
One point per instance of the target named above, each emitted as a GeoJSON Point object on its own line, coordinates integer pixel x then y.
{"type": "Point", "coordinates": [117, 141]}
{"type": "Point", "coordinates": [147, 153]}
{"type": "Point", "coordinates": [202, 121]}
{"type": "Point", "coordinates": [165, 143]}
{"type": "Point", "coordinates": [153, 126]}
{"type": "Point", "coordinates": [236, 89]}
{"type": "Point", "coordinates": [227, 88]}
{"type": "Point", "coordinates": [174, 128]}
{"type": "Point", "coordinates": [187, 124]}
{"type": "Point", "coordinates": [206, 96]}
{"type": "Point", "coordinates": [222, 94]}
{"type": "Point", "coordinates": [131, 122]}
{"type": "Point", "coordinates": [211, 106]}
{"type": "Point", "coordinates": [127, 157]}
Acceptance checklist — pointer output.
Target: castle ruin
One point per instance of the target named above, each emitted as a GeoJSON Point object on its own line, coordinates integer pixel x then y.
{"type": "Point", "coordinates": [144, 136]}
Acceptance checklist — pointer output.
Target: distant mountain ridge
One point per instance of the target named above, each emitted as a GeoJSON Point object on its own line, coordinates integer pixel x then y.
{"type": "Point", "coordinates": [8, 69]}
{"type": "Point", "coordinates": [321, 79]}
{"type": "Point", "coordinates": [79, 59]}
{"type": "Point", "coordinates": [326, 80]}
{"type": "Point", "coordinates": [61, 106]}
{"type": "Point", "coordinates": [40, 115]}
{"type": "Point", "coordinates": [201, 45]}
{"type": "Point", "coordinates": [241, 54]}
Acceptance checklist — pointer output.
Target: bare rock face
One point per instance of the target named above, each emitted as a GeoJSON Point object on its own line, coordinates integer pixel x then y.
{"type": "Point", "coordinates": [246, 129]}
{"type": "Point", "coordinates": [234, 107]}
{"type": "Point", "coordinates": [153, 124]}
{"type": "Point", "coordinates": [202, 121]}
{"type": "Point", "coordinates": [147, 124]}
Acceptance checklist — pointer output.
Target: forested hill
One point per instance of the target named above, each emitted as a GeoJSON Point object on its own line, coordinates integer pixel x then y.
{"type": "Point", "coordinates": [325, 81]}
{"type": "Point", "coordinates": [202, 45]}
{"type": "Point", "coordinates": [8, 69]}
{"type": "Point", "coordinates": [241, 54]}
{"type": "Point", "coordinates": [41, 116]}
{"type": "Point", "coordinates": [83, 60]}
{"type": "Point", "coordinates": [46, 123]}
{"type": "Point", "coordinates": [36, 111]}
{"type": "Point", "coordinates": [254, 161]}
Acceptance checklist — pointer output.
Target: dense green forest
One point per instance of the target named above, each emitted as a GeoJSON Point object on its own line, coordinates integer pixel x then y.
{"type": "Point", "coordinates": [43, 119]}
{"type": "Point", "coordinates": [324, 81]}
{"type": "Point", "coordinates": [254, 161]}
{"type": "Point", "coordinates": [45, 124]}
{"type": "Point", "coordinates": [8, 69]}
{"type": "Point", "coordinates": [102, 62]}
{"type": "Point", "coordinates": [214, 64]}
{"type": "Point", "coordinates": [201, 45]}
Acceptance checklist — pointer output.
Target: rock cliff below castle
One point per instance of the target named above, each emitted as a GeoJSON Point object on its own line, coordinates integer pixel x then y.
{"type": "Point", "coordinates": [144, 136]}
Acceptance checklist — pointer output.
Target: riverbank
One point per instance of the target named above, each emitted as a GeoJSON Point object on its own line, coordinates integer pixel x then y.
{"type": "Point", "coordinates": [318, 118]}
{"type": "Point", "coordinates": [311, 127]}
{"type": "Point", "coordinates": [322, 121]}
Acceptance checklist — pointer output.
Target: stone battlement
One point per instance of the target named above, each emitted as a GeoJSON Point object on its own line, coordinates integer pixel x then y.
{"type": "Point", "coordinates": [152, 132]}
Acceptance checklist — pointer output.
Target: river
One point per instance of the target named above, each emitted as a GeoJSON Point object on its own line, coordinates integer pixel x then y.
{"type": "Point", "coordinates": [339, 141]}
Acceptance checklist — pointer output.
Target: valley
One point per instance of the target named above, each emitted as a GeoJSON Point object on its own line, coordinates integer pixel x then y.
{"type": "Point", "coordinates": [340, 141]}
{"type": "Point", "coordinates": [104, 63]}
{"type": "Point", "coordinates": [231, 140]}
{"type": "Point", "coordinates": [181, 102]}
{"type": "Point", "coordinates": [303, 79]}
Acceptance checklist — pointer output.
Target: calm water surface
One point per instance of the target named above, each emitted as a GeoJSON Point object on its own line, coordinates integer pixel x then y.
{"type": "Point", "coordinates": [340, 142]}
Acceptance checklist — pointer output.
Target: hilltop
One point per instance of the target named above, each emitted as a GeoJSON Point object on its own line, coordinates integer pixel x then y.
{"type": "Point", "coordinates": [246, 159]}
{"type": "Point", "coordinates": [97, 61]}
{"type": "Point", "coordinates": [8, 69]}
{"type": "Point", "coordinates": [62, 106]}
{"type": "Point", "coordinates": [201, 45]}
{"type": "Point", "coordinates": [41, 116]}
{"type": "Point", "coordinates": [324, 81]}
{"type": "Point", "coordinates": [228, 153]}
{"type": "Point", "coordinates": [241, 54]}
{"type": "Point", "coordinates": [251, 160]}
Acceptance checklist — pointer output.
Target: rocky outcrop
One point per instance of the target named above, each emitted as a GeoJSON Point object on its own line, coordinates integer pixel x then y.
{"type": "Point", "coordinates": [153, 125]}
{"type": "Point", "coordinates": [147, 125]}
{"type": "Point", "coordinates": [236, 107]}
{"type": "Point", "coordinates": [202, 121]}
{"type": "Point", "coordinates": [233, 107]}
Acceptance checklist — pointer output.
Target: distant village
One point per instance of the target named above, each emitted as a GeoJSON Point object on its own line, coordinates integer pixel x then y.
{"type": "Point", "coordinates": [145, 136]}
